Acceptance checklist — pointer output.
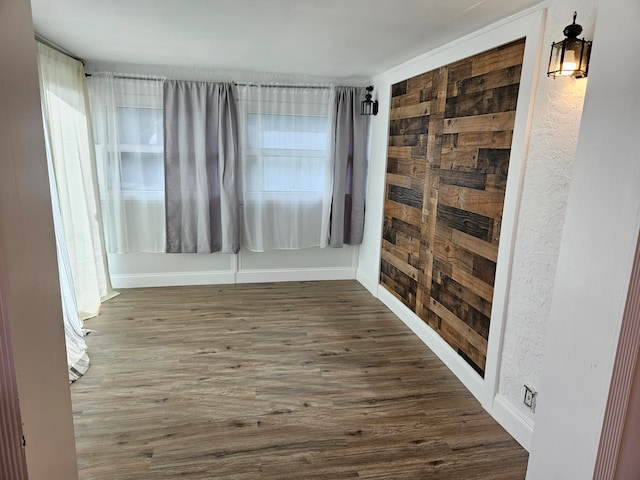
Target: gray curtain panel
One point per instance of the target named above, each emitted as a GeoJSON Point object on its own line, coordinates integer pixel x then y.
{"type": "Point", "coordinates": [348, 150]}
{"type": "Point", "coordinates": [200, 156]}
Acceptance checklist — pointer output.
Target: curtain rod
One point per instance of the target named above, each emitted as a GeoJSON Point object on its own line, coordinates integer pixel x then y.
{"type": "Point", "coordinates": [319, 87]}
{"type": "Point", "coordinates": [130, 76]}
{"type": "Point", "coordinates": [142, 77]}
{"type": "Point", "coordinates": [57, 48]}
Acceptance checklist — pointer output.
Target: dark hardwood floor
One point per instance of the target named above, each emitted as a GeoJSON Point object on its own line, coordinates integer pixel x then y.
{"type": "Point", "coordinates": [308, 380]}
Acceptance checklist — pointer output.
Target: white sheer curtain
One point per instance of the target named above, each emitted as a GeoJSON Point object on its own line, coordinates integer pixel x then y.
{"type": "Point", "coordinates": [77, 358]}
{"type": "Point", "coordinates": [285, 170]}
{"type": "Point", "coordinates": [65, 108]}
{"type": "Point", "coordinates": [128, 127]}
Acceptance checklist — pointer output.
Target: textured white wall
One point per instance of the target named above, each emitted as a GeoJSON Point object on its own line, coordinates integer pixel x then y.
{"type": "Point", "coordinates": [596, 256]}
{"type": "Point", "coordinates": [548, 169]}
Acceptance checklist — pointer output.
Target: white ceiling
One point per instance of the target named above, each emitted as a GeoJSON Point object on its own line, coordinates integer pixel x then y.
{"type": "Point", "coordinates": [331, 38]}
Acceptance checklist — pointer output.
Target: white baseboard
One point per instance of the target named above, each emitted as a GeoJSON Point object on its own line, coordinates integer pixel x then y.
{"type": "Point", "coordinates": [460, 368]}
{"type": "Point", "coordinates": [295, 275]}
{"type": "Point", "coordinates": [174, 279]}
{"type": "Point", "coordinates": [171, 279]}
{"type": "Point", "coordinates": [518, 426]}
{"type": "Point", "coordinates": [368, 283]}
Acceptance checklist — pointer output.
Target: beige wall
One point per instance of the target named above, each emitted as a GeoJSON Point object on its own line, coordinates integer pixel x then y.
{"type": "Point", "coordinates": [28, 269]}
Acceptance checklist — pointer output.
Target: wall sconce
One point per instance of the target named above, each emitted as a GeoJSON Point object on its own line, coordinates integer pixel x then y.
{"type": "Point", "coordinates": [570, 57]}
{"type": "Point", "coordinates": [369, 107]}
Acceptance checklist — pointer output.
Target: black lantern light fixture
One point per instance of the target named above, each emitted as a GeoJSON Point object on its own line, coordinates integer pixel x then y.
{"type": "Point", "coordinates": [369, 107]}
{"type": "Point", "coordinates": [570, 57]}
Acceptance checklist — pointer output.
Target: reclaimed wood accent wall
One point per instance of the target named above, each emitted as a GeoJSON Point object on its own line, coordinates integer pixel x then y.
{"type": "Point", "coordinates": [449, 145]}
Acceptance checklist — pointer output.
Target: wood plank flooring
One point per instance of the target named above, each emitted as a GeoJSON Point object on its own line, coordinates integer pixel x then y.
{"type": "Point", "coordinates": [301, 380]}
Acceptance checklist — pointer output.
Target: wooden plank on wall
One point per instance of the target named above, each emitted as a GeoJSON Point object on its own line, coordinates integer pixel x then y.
{"type": "Point", "coordinates": [431, 183]}
{"type": "Point", "coordinates": [418, 110]}
{"type": "Point", "coordinates": [502, 57]}
{"type": "Point", "coordinates": [448, 158]}
{"type": "Point", "coordinates": [493, 122]}
{"type": "Point", "coordinates": [482, 202]}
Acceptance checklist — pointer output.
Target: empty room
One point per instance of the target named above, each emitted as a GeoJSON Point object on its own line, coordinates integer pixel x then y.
{"type": "Point", "coordinates": [319, 240]}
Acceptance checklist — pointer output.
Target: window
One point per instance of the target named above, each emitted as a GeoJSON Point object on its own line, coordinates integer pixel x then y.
{"type": "Point", "coordinates": [286, 153]}
{"type": "Point", "coordinates": [285, 170]}
{"type": "Point", "coordinates": [128, 126]}
{"type": "Point", "coordinates": [140, 135]}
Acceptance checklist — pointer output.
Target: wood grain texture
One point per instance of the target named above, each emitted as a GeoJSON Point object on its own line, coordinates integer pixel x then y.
{"type": "Point", "coordinates": [290, 381]}
{"type": "Point", "coordinates": [449, 146]}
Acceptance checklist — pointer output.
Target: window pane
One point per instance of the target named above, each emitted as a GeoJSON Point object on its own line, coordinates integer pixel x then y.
{"type": "Point", "coordinates": [285, 174]}
{"type": "Point", "coordinates": [140, 126]}
{"type": "Point", "coordinates": [294, 132]}
{"type": "Point", "coordinates": [287, 153]}
{"type": "Point", "coordinates": [142, 172]}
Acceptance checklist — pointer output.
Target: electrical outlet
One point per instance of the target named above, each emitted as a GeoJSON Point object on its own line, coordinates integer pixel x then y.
{"type": "Point", "coordinates": [529, 396]}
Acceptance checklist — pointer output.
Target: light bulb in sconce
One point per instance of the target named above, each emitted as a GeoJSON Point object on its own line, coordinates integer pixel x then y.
{"type": "Point", "coordinates": [569, 65]}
